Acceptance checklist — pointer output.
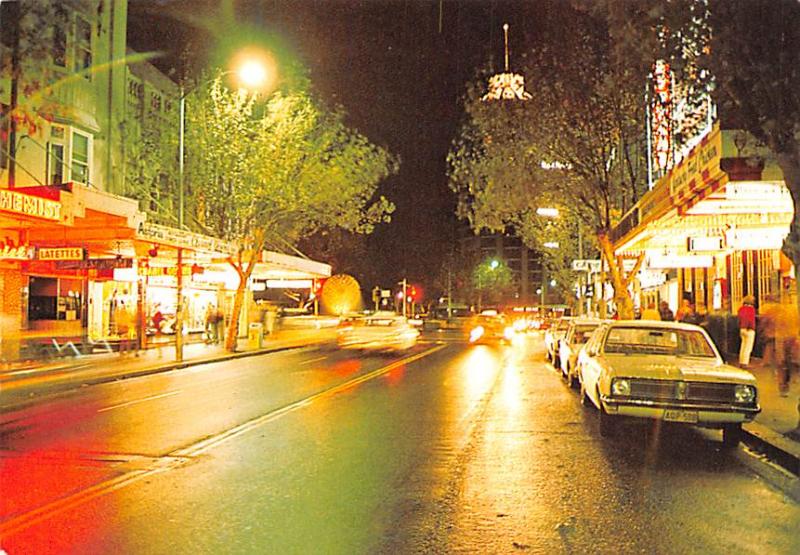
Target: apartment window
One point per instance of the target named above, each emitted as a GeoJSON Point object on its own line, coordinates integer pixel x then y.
{"type": "Point", "coordinates": [155, 101]}
{"type": "Point", "coordinates": [79, 168]}
{"type": "Point", "coordinates": [135, 89]}
{"type": "Point", "coordinates": [83, 46]}
{"type": "Point", "coordinates": [60, 37]}
{"type": "Point", "coordinates": [55, 164]}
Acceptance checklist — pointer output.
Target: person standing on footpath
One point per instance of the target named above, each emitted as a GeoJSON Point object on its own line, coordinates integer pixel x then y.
{"type": "Point", "coordinates": [650, 313]}
{"type": "Point", "coordinates": [124, 323]}
{"type": "Point", "coordinates": [686, 312]}
{"type": "Point", "coordinates": [747, 329]}
{"type": "Point", "coordinates": [665, 311]}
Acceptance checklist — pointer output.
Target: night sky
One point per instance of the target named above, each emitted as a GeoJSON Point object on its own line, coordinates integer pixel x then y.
{"type": "Point", "coordinates": [399, 78]}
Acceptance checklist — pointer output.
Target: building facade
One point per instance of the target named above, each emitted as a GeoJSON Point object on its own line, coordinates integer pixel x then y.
{"type": "Point", "coordinates": [529, 274]}
{"type": "Point", "coordinates": [82, 259]}
{"type": "Point", "coordinates": [712, 228]}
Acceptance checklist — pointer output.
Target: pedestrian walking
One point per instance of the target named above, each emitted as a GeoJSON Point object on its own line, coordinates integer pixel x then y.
{"type": "Point", "coordinates": [220, 325]}
{"type": "Point", "coordinates": [124, 322]}
{"type": "Point", "coordinates": [665, 312]}
{"type": "Point", "coordinates": [650, 313]}
{"type": "Point", "coordinates": [783, 325]}
{"type": "Point", "coordinates": [747, 329]}
{"type": "Point", "coordinates": [211, 324]}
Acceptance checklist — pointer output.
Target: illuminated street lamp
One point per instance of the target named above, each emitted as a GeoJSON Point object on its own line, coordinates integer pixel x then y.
{"type": "Point", "coordinates": [547, 212]}
{"type": "Point", "coordinates": [253, 75]}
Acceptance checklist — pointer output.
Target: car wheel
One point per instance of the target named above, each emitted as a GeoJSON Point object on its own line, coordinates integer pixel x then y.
{"type": "Point", "coordinates": [585, 400]}
{"type": "Point", "coordinates": [607, 422]}
{"type": "Point", "coordinates": [731, 435]}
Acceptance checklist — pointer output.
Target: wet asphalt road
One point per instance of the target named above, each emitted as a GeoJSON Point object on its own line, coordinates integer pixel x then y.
{"type": "Point", "coordinates": [449, 449]}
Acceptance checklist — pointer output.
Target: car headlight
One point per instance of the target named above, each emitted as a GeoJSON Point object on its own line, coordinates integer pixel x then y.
{"type": "Point", "coordinates": [620, 387]}
{"type": "Point", "coordinates": [475, 334]}
{"type": "Point", "coordinates": [508, 333]}
{"type": "Point", "coordinates": [744, 394]}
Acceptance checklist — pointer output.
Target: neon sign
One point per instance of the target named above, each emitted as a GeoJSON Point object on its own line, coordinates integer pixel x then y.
{"type": "Point", "coordinates": [661, 113]}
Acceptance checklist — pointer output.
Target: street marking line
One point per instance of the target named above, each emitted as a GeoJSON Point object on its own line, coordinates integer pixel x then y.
{"type": "Point", "coordinates": [135, 401]}
{"type": "Point", "coordinates": [60, 505]}
{"type": "Point", "coordinates": [177, 458]}
{"type": "Point", "coordinates": [218, 439]}
{"type": "Point", "coordinates": [309, 361]}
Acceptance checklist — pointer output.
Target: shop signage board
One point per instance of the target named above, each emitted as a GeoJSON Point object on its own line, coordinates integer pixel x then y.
{"type": "Point", "coordinates": [756, 239]}
{"type": "Point", "coordinates": [706, 243]}
{"type": "Point", "coordinates": [699, 169]}
{"type": "Point", "coordinates": [580, 265]}
{"type": "Point", "coordinates": [29, 205]}
{"type": "Point", "coordinates": [164, 235]}
{"type": "Point", "coordinates": [64, 253]}
{"type": "Point", "coordinates": [15, 252]}
{"type": "Point", "coordinates": [94, 264]}
{"type": "Point", "coordinates": [669, 261]}
{"type": "Point", "coordinates": [153, 271]}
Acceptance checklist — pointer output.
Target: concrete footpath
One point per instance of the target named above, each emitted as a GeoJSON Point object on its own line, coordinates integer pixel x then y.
{"type": "Point", "coordinates": [17, 381]}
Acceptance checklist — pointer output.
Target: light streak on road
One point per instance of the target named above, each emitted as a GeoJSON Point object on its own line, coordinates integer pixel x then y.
{"type": "Point", "coordinates": [136, 401]}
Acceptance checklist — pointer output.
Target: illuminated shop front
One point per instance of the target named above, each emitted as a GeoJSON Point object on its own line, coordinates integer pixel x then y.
{"type": "Point", "coordinates": [712, 227]}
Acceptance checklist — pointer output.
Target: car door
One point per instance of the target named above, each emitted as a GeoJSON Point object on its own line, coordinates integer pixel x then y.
{"type": "Point", "coordinates": [565, 349]}
{"type": "Point", "coordinates": [589, 365]}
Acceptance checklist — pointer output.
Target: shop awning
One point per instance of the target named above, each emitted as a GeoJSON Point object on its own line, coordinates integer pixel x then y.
{"type": "Point", "coordinates": [712, 202]}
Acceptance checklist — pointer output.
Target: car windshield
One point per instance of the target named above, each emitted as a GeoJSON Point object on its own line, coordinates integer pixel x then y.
{"type": "Point", "coordinates": [563, 325]}
{"type": "Point", "coordinates": [582, 334]}
{"type": "Point", "coordinates": [657, 341]}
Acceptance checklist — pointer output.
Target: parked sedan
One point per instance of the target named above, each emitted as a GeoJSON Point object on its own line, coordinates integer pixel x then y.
{"type": "Point", "coordinates": [578, 333]}
{"type": "Point", "coordinates": [552, 336]}
{"type": "Point", "coordinates": [382, 331]}
{"type": "Point", "coordinates": [666, 371]}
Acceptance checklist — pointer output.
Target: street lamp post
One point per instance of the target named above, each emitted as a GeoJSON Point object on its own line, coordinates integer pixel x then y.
{"type": "Point", "coordinates": [252, 75]}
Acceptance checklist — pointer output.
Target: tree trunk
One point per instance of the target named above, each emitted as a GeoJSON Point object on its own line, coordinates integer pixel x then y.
{"type": "Point", "coordinates": [619, 280]}
{"type": "Point", "coordinates": [232, 333]}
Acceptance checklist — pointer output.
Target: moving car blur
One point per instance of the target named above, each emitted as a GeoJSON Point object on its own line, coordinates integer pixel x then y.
{"type": "Point", "coordinates": [490, 326]}
{"type": "Point", "coordinates": [381, 331]}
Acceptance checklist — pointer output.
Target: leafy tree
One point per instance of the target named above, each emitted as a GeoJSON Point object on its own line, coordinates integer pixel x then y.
{"type": "Point", "coordinates": [492, 279]}
{"type": "Point", "coordinates": [150, 168]}
{"type": "Point", "coordinates": [577, 142]}
{"type": "Point", "coordinates": [284, 168]}
{"type": "Point", "coordinates": [754, 58]}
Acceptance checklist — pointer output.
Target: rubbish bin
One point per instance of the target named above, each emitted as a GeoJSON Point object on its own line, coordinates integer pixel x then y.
{"type": "Point", "coordinates": [255, 335]}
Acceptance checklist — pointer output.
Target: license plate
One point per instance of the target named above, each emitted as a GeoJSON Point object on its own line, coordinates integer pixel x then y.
{"type": "Point", "coordinates": [690, 416]}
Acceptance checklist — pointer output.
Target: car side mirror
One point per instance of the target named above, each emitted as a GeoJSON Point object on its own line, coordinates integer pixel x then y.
{"type": "Point", "coordinates": [591, 352]}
